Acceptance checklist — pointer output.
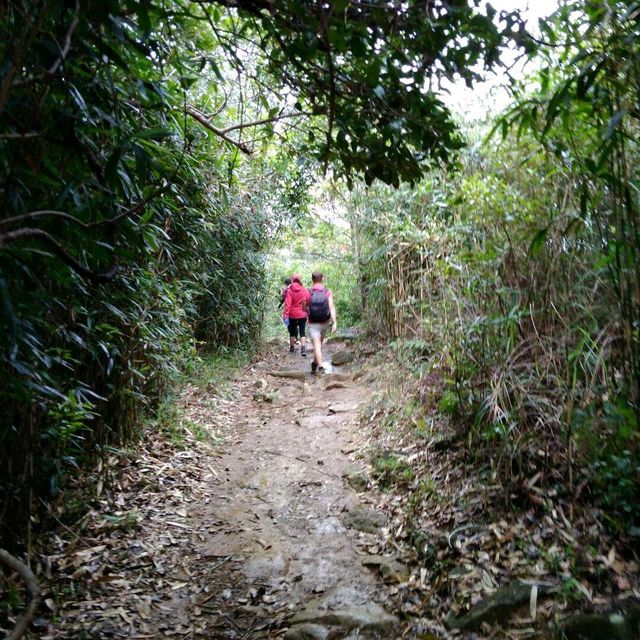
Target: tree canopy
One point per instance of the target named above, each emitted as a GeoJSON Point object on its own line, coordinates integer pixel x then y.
{"type": "Point", "coordinates": [372, 69]}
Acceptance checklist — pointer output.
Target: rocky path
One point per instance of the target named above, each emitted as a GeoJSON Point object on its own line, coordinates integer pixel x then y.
{"type": "Point", "coordinates": [260, 537]}
{"type": "Point", "coordinates": [281, 513]}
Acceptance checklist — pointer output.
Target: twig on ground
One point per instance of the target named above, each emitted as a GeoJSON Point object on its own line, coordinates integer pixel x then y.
{"type": "Point", "coordinates": [33, 587]}
{"type": "Point", "coordinates": [464, 527]}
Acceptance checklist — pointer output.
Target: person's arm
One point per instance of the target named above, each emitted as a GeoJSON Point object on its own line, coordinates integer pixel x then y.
{"type": "Point", "coordinates": [305, 302]}
{"type": "Point", "coordinates": [332, 310]}
{"type": "Point", "coordinates": [287, 304]}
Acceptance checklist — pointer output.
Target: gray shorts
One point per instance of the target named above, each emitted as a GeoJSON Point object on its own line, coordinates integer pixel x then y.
{"type": "Point", "coordinates": [318, 329]}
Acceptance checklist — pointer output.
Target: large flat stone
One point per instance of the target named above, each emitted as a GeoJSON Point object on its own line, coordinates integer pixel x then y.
{"type": "Point", "coordinates": [623, 624]}
{"type": "Point", "coordinates": [366, 520]}
{"type": "Point", "coordinates": [389, 568]}
{"type": "Point", "coordinates": [313, 422]}
{"type": "Point", "coordinates": [342, 357]}
{"type": "Point", "coordinates": [341, 377]}
{"type": "Point", "coordinates": [307, 631]}
{"type": "Point", "coordinates": [356, 477]}
{"type": "Point", "coordinates": [292, 374]}
{"type": "Point", "coordinates": [497, 607]}
{"type": "Point", "coordinates": [365, 617]}
{"type": "Point", "coordinates": [331, 386]}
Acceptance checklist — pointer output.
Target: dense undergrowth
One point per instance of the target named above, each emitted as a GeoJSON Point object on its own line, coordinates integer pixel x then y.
{"type": "Point", "coordinates": [469, 532]}
{"type": "Point", "coordinates": [174, 439]}
{"type": "Point", "coordinates": [131, 239]}
{"type": "Point", "coordinates": [511, 285]}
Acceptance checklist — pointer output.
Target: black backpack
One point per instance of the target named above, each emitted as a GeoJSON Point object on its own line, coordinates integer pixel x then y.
{"type": "Point", "coordinates": [319, 310]}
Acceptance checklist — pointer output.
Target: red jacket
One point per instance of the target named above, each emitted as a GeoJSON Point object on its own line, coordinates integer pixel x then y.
{"type": "Point", "coordinates": [296, 302]}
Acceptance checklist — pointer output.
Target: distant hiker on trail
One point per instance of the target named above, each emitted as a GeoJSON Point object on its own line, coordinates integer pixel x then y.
{"type": "Point", "coordinates": [322, 312]}
{"type": "Point", "coordinates": [296, 300]}
{"type": "Point", "coordinates": [283, 293]}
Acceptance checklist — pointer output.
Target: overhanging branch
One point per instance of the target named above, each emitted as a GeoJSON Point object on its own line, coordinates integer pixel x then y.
{"type": "Point", "coordinates": [28, 232]}
{"type": "Point", "coordinates": [256, 123]}
{"type": "Point", "coordinates": [44, 213]}
{"type": "Point", "coordinates": [202, 119]}
{"type": "Point", "coordinates": [64, 52]}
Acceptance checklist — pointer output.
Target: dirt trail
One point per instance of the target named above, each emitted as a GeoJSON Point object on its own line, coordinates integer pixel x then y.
{"type": "Point", "coordinates": [277, 515]}
{"type": "Point", "coordinates": [257, 538]}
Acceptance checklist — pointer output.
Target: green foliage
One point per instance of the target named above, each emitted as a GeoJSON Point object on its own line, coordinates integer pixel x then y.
{"type": "Point", "coordinates": [12, 598]}
{"type": "Point", "coordinates": [583, 110]}
{"type": "Point", "coordinates": [391, 471]}
{"type": "Point", "coordinates": [449, 403]}
{"type": "Point", "coordinates": [367, 66]}
{"type": "Point", "coordinates": [570, 589]}
{"type": "Point", "coordinates": [128, 236]}
{"type": "Point", "coordinates": [617, 483]}
{"type": "Point", "coordinates": [124, 522]}
{"type": "Point", "coordinates": [496, 283]}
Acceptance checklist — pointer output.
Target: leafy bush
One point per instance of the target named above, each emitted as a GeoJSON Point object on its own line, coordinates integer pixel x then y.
{"type": "Point", "coordinates": [391, 471]}
{"type": "Point", "coordinates": [129, 238]}
{"type": "Point", "coordinates": [495, 281]}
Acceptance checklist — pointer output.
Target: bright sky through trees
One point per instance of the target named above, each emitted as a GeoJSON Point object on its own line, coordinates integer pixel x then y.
{"type": "Point", "coordinates": [492, 95]}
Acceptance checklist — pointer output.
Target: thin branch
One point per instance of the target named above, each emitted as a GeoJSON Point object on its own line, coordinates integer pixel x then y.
{"type": "Point", "coordinates": [254, 7]}
{"type": "Point", "coordinates": [64, 52]}
{"type": "Point", "coordinates": [60, 252]}
{"type": "Point", "coordinates": [256, 123]}
{"type": "Point", "coordinates": [138, 207]}
{"type": "Point", "coordinates": [221, 108]}
{"type": "Point", "coordinates": [21, 136]}
{"type": "Point", "coordinates": [67, 42]}
{"type": "Point", "coordinates": [26, 39]}
{"type": "Point", "coordinates": [201, 118]}
{"type": "Point", "coordinates": [332, 83]}
{"type": "Point", "coordinates": [33, 215]}
{"type": "Point", "coordinates": [31, 583]}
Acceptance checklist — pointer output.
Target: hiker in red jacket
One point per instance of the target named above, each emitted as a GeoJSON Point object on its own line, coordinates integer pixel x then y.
{"type": "Point", "coordinates": [296, 301]}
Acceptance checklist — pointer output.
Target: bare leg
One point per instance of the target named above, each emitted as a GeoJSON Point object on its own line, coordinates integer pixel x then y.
{"type": "Point", "coordinates": [317, 349]}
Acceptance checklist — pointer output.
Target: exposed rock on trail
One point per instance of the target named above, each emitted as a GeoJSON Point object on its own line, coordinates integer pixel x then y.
{"type": "Point", "coordinates": [279, 513]}
{"type": "Point", "coordinates": [620, 624]}
{"type": "Point", "coordinates": [498, 606]}
{"type": "Point", "coordinates": [341, 358]}
{"type": "Point", "coordinates": [390, 569]}
{"type": "Point", "coordinates": [365, 520]}
{"type": "Point", "coordinates": [342, 611]}
{"type": "Point", "coordinates": [293, 374]}
{"type": "Point", "coordinates": [355, 476]}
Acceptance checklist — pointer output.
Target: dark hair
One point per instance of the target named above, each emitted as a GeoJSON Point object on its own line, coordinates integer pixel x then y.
{"type": "Point", "coordinates": [317, 276]}
{"type": "Point", "coordinates": [287, 281]}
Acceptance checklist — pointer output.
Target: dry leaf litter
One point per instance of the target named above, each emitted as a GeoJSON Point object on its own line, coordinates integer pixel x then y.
{"type": "Point", "coordinates": [141, 563]}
